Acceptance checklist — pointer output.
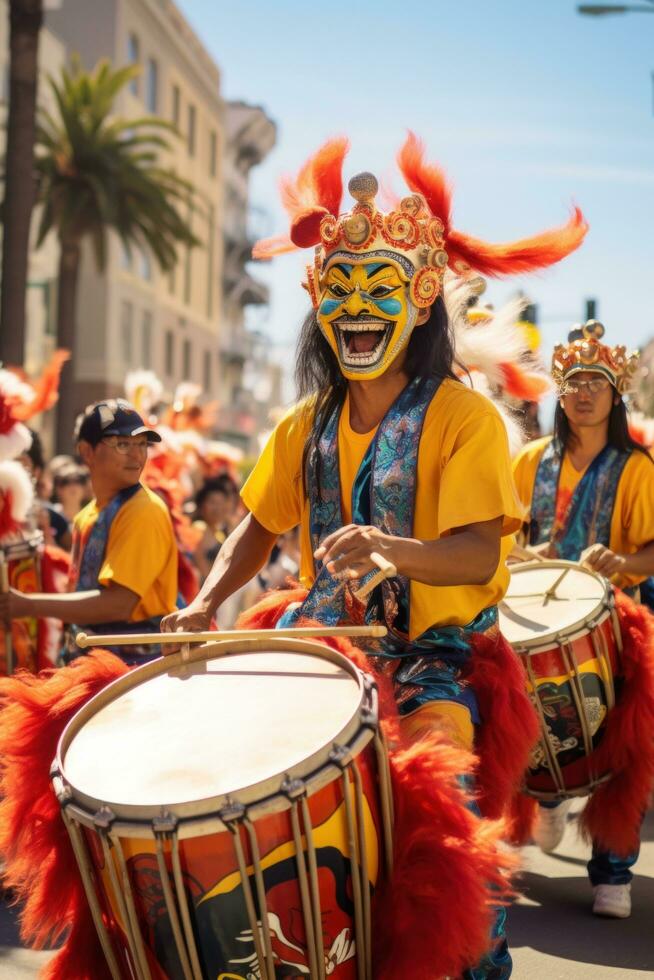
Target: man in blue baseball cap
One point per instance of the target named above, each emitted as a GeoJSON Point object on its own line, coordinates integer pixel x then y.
{"type": "Point", "coordinates": [124, 557]}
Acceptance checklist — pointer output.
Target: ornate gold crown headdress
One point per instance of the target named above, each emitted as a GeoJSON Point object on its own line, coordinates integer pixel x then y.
{"type": "Point", "coordinates": [585, 352]}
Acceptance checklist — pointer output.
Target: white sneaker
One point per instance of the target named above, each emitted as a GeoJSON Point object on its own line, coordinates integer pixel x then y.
{"type": "Point", "coordinates": [551, 825]}
{"type": "Point", "coordinates": [612, 901]}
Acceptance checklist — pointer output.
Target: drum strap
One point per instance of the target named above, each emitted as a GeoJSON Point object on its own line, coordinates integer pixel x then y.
{"type": "Point", "coordinates": [588, 520]}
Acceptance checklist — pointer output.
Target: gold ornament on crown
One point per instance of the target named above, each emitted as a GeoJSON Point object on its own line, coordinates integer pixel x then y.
{"type": "Point", "coordinates": [409, 231]}
{"type": "Point", "coordinates": [585, 352]}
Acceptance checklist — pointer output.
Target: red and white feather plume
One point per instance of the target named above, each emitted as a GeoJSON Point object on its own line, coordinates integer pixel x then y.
{"type": "Point", "coordinates": [16, 496]}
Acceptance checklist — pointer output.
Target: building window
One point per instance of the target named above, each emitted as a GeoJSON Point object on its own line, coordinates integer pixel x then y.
{"type": "Point", "coordinates": [145, 265]}
{"type": "Point", "coordinates": [126, 331]}
{"type": "Point", "coordinates": [186, 360]}
{"type": "Point", "coordinates": [210, 259]}
{"type": "Point", "coordinates": [169, 353]}
{"type": "Point", "coordinates": [206, 371]}
{"type": "Point", "coordinates": [125, 258]}
{"type": "Point", "coordinates": [213, 153]}
{"type": "Point", "coordinates": [146, 340]}
{"type": "Point", "coordinates": [152, 85]}
{"type": "Point", "coordinates": [188, 263]}
{"type": "Point", "coordinates": [133, 58]}
{"type": "Point", "coordinates": [191, 130]}
{"type": "Point", "coordinates": [177, 106]}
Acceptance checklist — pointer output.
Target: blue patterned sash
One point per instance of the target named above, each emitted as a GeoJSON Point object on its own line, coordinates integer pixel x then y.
{"type": "Point", "coordinates": [383, 495]}
{"type": "Point", "coordinates": [588, 520]}
{"type": "Point", "coordinates": [90, 566]}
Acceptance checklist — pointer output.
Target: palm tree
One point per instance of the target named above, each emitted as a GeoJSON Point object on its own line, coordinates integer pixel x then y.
{"type": "Point", "coordinates": [96, 172]}
{"type": "Point", "coordinates": [25, 19]}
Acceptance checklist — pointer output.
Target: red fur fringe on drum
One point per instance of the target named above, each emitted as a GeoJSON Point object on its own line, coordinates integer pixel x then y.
{"type": "Point", "coordinates": [613, 815]}
{"type": "Point", "coordinates": [39, 864]}
{"type": "Point", "coordinates": [510, 726]}
{"type": "Point", "coordinates": [433, 917]}
{"type": "Point", "coordinates": [435, 913]}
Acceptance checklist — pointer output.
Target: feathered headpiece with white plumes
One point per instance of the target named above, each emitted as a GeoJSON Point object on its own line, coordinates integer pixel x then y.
{"type": "Point", "coordinates": [494, 350]}
{"type": "Point", "coordinates": [144, 390]}
{"type": "Point", "coordinates": [16, 496]}
{"type": "Point", "coordinates": [15, 438]}
{"type": "Point", "coordinates": [21, 400]}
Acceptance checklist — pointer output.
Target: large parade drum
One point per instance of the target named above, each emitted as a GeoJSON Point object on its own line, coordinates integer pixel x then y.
{"type": "Point", "coordinates": [561, 619]}
{"type": "Point", "coordinates": [23, 560]}
{"type": "Point", "coordinates": [231, 813]}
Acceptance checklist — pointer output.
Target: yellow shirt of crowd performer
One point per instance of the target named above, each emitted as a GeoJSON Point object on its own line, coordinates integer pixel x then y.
{"type": "Point", "coordinates": [632, 520]}
{"type": "Point", "coordinates": [464, 477]}
{"type": "Point", "coordinates": [141, 552]}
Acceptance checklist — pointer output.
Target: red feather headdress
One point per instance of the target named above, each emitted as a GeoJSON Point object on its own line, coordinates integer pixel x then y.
{"type": "Point", "coordinates": [420, 230]}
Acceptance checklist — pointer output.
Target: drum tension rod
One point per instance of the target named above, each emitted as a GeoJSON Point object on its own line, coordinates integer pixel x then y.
{"type": "Point", "coordinates": [341, 755]}
{"type": "Point", "coordinates": [104, 819]}
{"type": "Point", "coordinates": [369, 712]}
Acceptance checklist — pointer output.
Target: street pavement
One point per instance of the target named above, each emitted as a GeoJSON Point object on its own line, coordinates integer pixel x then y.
{"type": "Point", "coordinates": [552, 933]}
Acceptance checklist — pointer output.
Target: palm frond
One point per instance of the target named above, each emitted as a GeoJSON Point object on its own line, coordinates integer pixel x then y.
{"type": "Point", "coordinates": [96, 171]}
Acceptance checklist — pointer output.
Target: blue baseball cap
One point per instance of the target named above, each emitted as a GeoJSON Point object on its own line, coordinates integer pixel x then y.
{"type": "Point", "coordinates": [114, 417]}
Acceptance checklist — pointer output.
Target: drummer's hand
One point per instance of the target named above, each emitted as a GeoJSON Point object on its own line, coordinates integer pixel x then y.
{"type": "Point", "coordinates": [603, 560]}
{"type": "Point", "coordinates": [13, 605]}
{"type": "Point", "coordinates": [194, 619]}
{"type": "Point", "coordinates": [346, 552]}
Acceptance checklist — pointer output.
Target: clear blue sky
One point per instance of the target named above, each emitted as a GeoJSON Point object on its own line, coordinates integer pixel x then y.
{"type": "Point", "coordinates": [528, 105]}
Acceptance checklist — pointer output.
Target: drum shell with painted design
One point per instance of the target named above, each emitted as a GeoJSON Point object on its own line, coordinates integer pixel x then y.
{"type": "Point", "coordinates": [24, 574]}
{"type": "Point", "coordinates": [281, 708]}
{"type": "Point", "coordinates": [570, 650]}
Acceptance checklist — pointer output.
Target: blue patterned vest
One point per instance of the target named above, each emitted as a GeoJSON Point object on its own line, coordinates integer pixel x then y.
{"type": "Point", "coordinates": [91, 561]}
{"type": "Point", "coordinates": [588, 520]}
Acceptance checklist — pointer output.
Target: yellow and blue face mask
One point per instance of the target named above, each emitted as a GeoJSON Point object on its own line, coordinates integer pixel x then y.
{"type": "Point", "coordinates": [365, 312]}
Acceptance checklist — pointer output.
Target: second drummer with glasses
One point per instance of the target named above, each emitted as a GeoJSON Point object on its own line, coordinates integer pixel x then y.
{"type": "Point", "coordinates": [589, 489]}
{"type": "Point", "coordinates": [124, 558]}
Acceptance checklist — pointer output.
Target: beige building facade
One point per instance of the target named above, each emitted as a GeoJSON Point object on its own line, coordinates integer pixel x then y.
{"type": "Point", "coordinates": [248, 380]}
{"type": "Point", "coordinates": [132, 315]}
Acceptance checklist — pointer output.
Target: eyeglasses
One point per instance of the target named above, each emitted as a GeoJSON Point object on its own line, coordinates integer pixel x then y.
{"type": "Point", "coordinates": [124, 446]}
{"type": "Point", "coordinates": [591, 387]}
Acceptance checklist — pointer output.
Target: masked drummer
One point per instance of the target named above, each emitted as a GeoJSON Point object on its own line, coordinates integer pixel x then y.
{"type": "Point", "coordinates": [124, 559]}
{"type": "Point", "coordinates": [590, 493]}
{"type": "Point", "coordinates": [387, 454]}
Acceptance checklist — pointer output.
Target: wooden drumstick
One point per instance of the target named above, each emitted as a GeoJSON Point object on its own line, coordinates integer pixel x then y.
{"type": "Point", "coordinates": [525, 554]}
{"type": "Point", "coordinates": [9, 645]}
{"type": "Point", "coordinates": [386, 569]}
{"type": "Point", "coordinates": [85, 640]}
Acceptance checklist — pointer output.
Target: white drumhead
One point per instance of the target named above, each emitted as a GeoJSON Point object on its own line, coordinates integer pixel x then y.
{"type": "Point", "coordinates": [210, 729]}
{"type": "Point", "coordinates": [528, 617]}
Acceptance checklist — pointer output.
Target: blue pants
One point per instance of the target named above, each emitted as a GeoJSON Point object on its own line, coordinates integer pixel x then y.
{"type": "Point", "coordinates": [605, 867]}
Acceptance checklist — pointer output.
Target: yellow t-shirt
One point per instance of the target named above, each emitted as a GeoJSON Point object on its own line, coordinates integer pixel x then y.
{"type": "Point", "coordinates": [464, 477]}
{"type": "Point", "coordinates": [141, 552]}
{"type": "Point", "coordinates": [632, 521]}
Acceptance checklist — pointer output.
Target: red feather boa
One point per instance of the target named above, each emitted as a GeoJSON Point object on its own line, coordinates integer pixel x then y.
{"type": "Point", "coordinates": [449, 870]}
{"type": "Point", "coordinates": [39, 864]}
{"type": "Point", "coordinates": [614, 813]}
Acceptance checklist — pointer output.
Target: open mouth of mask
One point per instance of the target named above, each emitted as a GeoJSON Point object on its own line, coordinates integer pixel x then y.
{"type": "Point", "coordinates": [362, 340]}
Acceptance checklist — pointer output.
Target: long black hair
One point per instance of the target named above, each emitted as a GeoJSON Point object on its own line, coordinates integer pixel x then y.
{"type": "Point", "coordinates": [318, 377]}
{"type": "Point", "coordinates": [618, 432]}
